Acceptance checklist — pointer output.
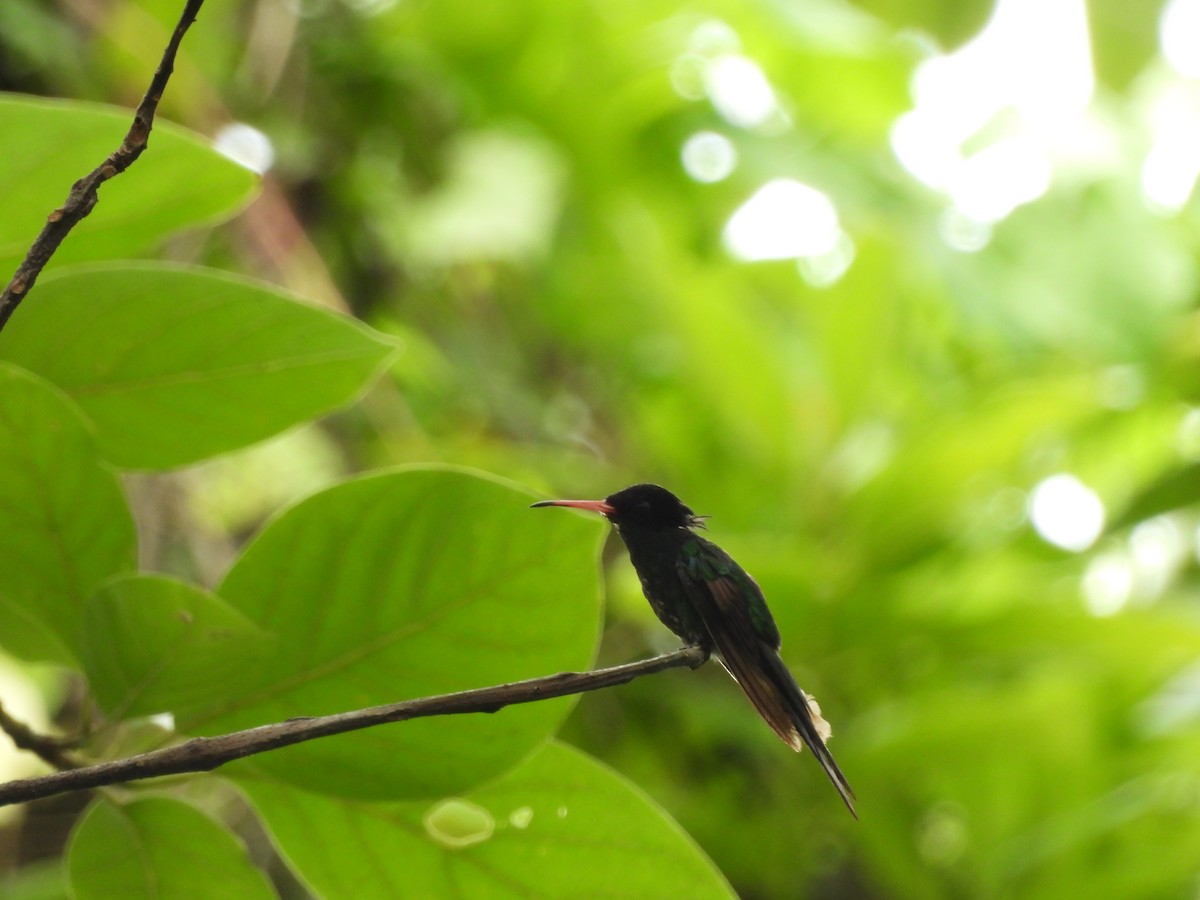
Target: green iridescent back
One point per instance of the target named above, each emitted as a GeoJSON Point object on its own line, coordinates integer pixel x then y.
{"type": "Point", "coordinates": [704, 561]}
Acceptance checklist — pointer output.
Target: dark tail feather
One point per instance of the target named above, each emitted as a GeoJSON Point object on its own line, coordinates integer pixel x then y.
{"type": "Point", "coordinates": [786, 708]}
{"type": "Point", "coordinates": [802, 709]}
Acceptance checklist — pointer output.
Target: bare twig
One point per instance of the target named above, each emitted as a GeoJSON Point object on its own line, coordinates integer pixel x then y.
{"type": "Point", "coordinates": [84, 193]}
{"type": "Point", "coordinates": [25, 738]}
{"type": "Point", "coordinates": [207, 753]}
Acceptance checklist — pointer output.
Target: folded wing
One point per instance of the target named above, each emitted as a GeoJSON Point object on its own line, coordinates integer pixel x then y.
{"type": "Point", "coordinates": [749, 650]}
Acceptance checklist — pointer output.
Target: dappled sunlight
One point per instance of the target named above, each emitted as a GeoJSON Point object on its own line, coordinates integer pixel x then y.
{"type": "Point", "coordinates": [1138, 570]}
{"type": "Point", "coordinates": [1175, 706]}
{"type": "Point", "coordinates": [740, 92]}
{"type": "Point", "coordinates": [713, 66]}
{"type": "Point", "coordinates": [1169, 174]}
{"type": "Point", "coordinates": [825, 269]}
{"type": "Point", "coordinates": [1172, 164]}
{"type": "Point", "coordinates": [1122, 387]}
{"type": "Point", "coordinates": [1179, 35]}
{"type": "Point", "coordinates": [1066, 513]}
{"type": "Point", "coordinates": [963, 233]}
{"type": "Point", "coordinates": [709, 40]}
{"type": "Point", "coordinates": [784, 219]}
{"type": "Point", "coordinates": [708, 156]}
{"type": "Point", "coordinates": [1107, 583]}
{"type": "Point", "coordinates": [992, 183]}
{"type": "Point", "coordinates": [370, 7]}
{"type": "Point", "coordinates": [246, 145]}
{"type": "Point", "coordinates": [499, 200]}
{"type": "Point", "coordinates": [1158, 549]}
{"type": "Point", "coordinates": [988, 117]}
{"type": "Point", "coordinates": [1187, 435]}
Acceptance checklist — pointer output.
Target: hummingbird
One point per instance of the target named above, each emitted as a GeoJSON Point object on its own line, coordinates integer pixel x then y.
{"type": "Point", "coordinates": [699, 592]}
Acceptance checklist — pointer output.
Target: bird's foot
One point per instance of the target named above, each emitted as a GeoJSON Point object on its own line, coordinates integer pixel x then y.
{"type": "Point", "coordinates": [700, 652]}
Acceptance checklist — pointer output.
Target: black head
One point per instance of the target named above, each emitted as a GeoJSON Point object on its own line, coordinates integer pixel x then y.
{"type": "Point", "coordinates": [650, 506]}
{"type": "Point", "coordinates": [641, 506]}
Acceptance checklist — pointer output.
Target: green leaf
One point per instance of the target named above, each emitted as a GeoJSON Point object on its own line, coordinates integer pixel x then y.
{"type": "Point", "coordinates": [46, 145]}
{"type": "Point", "coordinates": [176, 364]}
{"type": "Point", "coordinates": [157, 847]}
{"type": "Point", "coordinates": [561, 825]}
{"type": "Point", "coordinates": [405, 584]}
{"type": "Point", "coordinates": [152, 644]}
{"type": "Point", "coordinates": [65, 522]}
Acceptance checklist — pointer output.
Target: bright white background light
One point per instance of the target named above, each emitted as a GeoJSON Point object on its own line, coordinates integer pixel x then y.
{"type": "Point", "coordinates": [784, 219]}
{"type": "Point", "coordinates": [993, 182]}
{"type": "Point", "coordinates": [740, 91]}
{"type": "Point", "coordinates": [1158, 548]}
{"type": "Point", "coordinates": [822, 270]}
{"type": "Point", "coordinates": [246, 145]}
{"type": "Point", "coordinates": [1179, 35]}
{"type": "Point", "coordinates": [1028, 76]}
{"type": "Point", "coordinates": [708, 156]}
{"type": "Point", "coordinates": [1107, 584]}
{"type": "Point", "coordinates": [1066, 512]}
{"type": "Point", "coordinates": [1172, 165]}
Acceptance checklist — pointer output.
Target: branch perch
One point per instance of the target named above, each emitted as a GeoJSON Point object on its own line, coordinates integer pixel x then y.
{"type": "Point", "coordinates": [204, 754]}
{"type": "Point", "coordinates": [85, 192]}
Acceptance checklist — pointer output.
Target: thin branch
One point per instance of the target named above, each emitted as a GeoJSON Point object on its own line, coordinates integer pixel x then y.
{"type": "Point", "coordinates": [84, 193]}
{"type": "Point", "coordinates": [25, 738]}
{"type": "Point", "coordinates": [207, 753]}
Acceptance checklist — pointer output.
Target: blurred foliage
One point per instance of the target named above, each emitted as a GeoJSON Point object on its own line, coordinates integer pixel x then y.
{"type": "Point", "coordinates": [499, 188]}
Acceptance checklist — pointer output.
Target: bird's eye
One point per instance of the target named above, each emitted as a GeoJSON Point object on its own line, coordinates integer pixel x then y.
{"type": "Point", "coordinates": [644, 506]}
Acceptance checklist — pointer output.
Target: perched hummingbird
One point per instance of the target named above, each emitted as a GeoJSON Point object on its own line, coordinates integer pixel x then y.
{"type": "Point", "coordinates": [706, 598]}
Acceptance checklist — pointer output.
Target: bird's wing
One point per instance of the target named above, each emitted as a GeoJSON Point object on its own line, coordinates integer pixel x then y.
{"type": "Point", "coordinates": [703, 563]}
{"type": "Point", "coordinates": [716, 586]}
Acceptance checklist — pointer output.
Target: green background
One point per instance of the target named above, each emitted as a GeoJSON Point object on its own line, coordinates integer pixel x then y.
{"type": "Point", "coordinates": [495, 193]}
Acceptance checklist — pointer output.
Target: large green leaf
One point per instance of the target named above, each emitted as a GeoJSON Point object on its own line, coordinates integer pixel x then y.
{"type": "Point", "coordinates": [65, 522]}
{"type": "Point", "coordinates": [47, 144]}
{"type": "Point", "coordinates": [560, 825]}
{"type": "Point", "coordinates": [152, 644]}
{"type": "Point", "coordinates": [176, 364]}
{"type": "Point", "coordinates": [404, 584]}
{"type": "Point", "coordinates": [157, 848]}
